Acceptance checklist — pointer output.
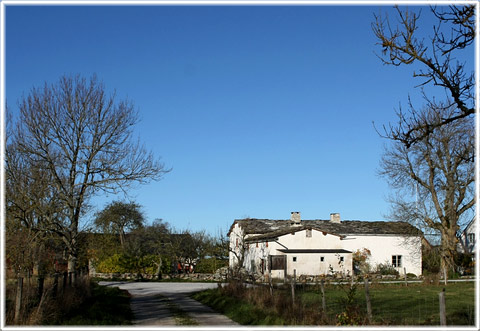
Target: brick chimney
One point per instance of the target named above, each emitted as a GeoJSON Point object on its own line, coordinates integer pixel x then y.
{"type": "Point", "coordinates": [295, 217]}
{"type": "Point", "coordinates": [335, 218]}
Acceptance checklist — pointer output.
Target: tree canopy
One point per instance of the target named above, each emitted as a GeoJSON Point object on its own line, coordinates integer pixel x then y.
{"type": "Point", "coordinates": [440, 170]}
{"type": "Point", "coordinates": [80, 138]}
{"type": "Point", "coordinates": [437, 55]}
{"type": "Point", "coordinates": [119, 217]}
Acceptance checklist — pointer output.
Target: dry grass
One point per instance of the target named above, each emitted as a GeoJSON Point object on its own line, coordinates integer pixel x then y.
{"type": "Point", "coordinates": [49, 307]}
{"type": "Point", "coordinates": [278, 305]}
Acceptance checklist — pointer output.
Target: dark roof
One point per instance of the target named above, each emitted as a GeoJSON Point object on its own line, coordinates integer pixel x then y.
{"type": "Point", "coordinates": [266, 228]}
{"type": "Point", "coordinates": [286, 230]}
{"type": "Point", "coordinates": [306, 251]}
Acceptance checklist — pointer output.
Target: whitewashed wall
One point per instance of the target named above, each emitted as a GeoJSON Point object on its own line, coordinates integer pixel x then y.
{"type": "Point", "coordinates": [466, 245]}
{"type": "Point", "coordinates": [318, 240]}
{"type": "Point", "coordinates": [306, 263]}
{"type": "Point", "coordinates": [310, 264]}
{"type": "Point", "coordinates": [382, 247]}
{"type": "Point", "coordinates": [235, 234]}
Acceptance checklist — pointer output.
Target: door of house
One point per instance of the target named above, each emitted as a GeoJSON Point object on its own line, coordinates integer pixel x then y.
{"type": "Point", "coordinates": [278, 262]}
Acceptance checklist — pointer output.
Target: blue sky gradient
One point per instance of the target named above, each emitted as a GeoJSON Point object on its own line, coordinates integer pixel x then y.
{"type": "Point", "coordinates": [259, 110]}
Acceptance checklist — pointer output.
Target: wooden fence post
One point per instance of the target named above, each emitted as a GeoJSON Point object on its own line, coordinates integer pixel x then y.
{"type": "Point", "coordinates": [293, 286]}
{"type": "Point", "coordinates": [41, 282]}
{"type": "Point", "coordinates": [270, 283]}
{"type": "Point", "coordinates": [65, 278]}
{"type": "Point", "coordinates": [55, 285]}
{"type": "Point", "coordinates": [443, 314]}
{"type": "Point", "coordinates": [367, 299]}
{"type": "Point", "coordinates": [18, 300]}
{"type": "Point", "coordinates": [324, 305]}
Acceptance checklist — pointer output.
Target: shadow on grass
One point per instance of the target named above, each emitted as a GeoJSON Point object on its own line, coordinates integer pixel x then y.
{"type": "Point", "coordinates": [106, 306]}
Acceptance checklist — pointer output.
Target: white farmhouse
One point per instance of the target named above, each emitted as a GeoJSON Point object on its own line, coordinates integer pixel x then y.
{"type": "Point", "coordinates": [321, 247]}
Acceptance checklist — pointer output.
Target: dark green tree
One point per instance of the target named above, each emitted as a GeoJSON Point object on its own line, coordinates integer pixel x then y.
{"type": "Point", "coordinates": [118, 218]}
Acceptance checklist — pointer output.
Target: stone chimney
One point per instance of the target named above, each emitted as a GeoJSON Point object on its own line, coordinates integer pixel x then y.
{"type": "Point", "coordinates": [335, 218]}
{"type": "Point", "coordinates": [295, 217]}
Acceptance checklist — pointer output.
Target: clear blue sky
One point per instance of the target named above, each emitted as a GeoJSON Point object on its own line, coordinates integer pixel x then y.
{"type": "Point", "coordinates": [260, 110]}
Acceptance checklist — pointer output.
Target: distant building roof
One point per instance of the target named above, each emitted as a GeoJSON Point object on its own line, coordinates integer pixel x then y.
{"type": "Point", "coordinates": [266, 228]}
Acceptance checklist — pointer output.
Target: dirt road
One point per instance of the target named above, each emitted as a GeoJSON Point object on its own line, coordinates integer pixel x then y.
{"type": "Point", "coordinates": [168, 304]}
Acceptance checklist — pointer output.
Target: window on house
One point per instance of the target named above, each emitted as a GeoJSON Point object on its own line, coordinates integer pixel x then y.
{"type": "Point", "coordinates": [257, 245]}
{"type": "Point", "coordinates": [322, 258]}
{"type": "Point", "coordinates": [396, 261]}
{"type": "Point", "coordinates": [266, 243]}
{"type": "Point", "coordinates": [294, 259]}
{"type": "Point", "coordinates": [308, 233]}
{"type": "Point", "coordinates": [341, 258]}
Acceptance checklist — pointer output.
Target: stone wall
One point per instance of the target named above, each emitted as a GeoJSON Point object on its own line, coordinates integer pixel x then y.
{"type": "Point", "coordinates": [132, 276]}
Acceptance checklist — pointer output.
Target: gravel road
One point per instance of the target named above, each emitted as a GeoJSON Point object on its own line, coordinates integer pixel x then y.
{"type": "Point", "coordinates": [168, 304]}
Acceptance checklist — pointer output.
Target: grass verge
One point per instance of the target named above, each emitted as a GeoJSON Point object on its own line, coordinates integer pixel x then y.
{"type": "Point", "coordinates": [180, 316]}
{"type": "Point", "coordinates": [239, 310]}
{"type": "Point", "coordinates": [392, 304]}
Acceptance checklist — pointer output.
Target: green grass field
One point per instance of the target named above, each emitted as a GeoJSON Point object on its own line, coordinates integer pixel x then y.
{"type": "Point", "coordinates": [392, 304]}
{"type": "Point", "coordinates": [395, 304]}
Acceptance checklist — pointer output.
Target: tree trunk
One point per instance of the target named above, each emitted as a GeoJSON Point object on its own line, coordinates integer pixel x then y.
{"type": "Point", "coordinates": [122, 239]}
{"type": "Point", "coordinates": [159, 269]}
{"type": "Point", "coordinates": [72, 265]}
{"type": "Point", "coordinates": [449, 248]}
{"type": "Point", "coordinates": [18, 301]}
{"type": "Point", "coordinates": [40, 284]}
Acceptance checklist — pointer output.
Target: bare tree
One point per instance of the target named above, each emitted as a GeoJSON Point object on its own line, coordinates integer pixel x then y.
{"type": "Point", "coordinates": [30, 205]}
{"type": "Point", "coordinates": [83, 139]}
{"type": "Point", "coordinates": [437, 55]}
{"type": "Point", "coordinates": [237, 249]}
{"type": "Point", "coordinates": [440, 170]}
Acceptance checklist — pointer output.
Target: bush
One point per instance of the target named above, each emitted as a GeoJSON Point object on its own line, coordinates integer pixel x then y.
{"type": "Point", "coordinates": [123, 263]}
{"type": "Point", "coordinates": [166, 267]}
{"type": "Point", "coordinates": [464, 263]}
{"type": "Point", "coordinates": [210, 265]}
{"type": "Point", "coordinates": [360, 261]}
{"type": "Point", "coordinates": [431, 261]}
{"type": "Point", "coordinates": [112, 264]}
{"type": "Point", "coordinates": [351, 314]}
{"type": "Point", "coordinates": [386, 269]}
